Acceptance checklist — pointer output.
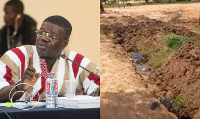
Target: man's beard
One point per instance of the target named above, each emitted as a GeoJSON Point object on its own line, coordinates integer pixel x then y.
{"type": "Point", "coordinates": [45, 56]}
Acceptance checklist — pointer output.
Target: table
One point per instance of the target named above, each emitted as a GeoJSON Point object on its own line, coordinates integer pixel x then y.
{"type": "Point", "coordinates": [46, 113]}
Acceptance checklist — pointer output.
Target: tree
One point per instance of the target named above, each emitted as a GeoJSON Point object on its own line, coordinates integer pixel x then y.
{"type": "Point", "coordinates": [101, 7]}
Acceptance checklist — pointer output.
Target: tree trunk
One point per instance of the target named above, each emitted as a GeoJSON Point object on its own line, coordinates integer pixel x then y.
{"type": "Point", "coordinates": [101, 7]}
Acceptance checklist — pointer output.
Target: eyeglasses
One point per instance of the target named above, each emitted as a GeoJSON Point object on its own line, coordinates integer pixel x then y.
{"type": "Point", "coordinates": [49, 36]}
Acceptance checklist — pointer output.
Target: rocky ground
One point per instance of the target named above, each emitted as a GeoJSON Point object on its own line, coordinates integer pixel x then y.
{"type": "Point", "coordinates": [130, 95]}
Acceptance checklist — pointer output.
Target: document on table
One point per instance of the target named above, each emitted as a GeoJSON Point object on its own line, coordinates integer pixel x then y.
{"type": "Point", "coordinates": [79, 101]}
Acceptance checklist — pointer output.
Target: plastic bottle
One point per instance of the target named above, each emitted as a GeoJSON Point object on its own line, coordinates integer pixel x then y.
{"type": "Point", "coordinates": [51, 91]}
{"type": "Point", "coordinates": [141, 68]}
{"type": "Point", "coordinates": [56, 92]}
{"type": "Point", "coordinates": [139, 65]}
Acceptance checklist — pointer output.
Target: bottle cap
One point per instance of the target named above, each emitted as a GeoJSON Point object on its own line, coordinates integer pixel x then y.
{"type": "Point", "coordinates": [51, 73]}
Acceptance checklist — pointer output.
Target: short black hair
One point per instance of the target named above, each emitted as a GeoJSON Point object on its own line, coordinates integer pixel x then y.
{"type": "Point", "coordinates": [61, 22]}
{"type": "Point", "coordinates": [17, 5]}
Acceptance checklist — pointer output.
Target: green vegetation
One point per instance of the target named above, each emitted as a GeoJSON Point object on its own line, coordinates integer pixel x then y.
{"type": "Point", "coordinates": [178, 103]}
{"type": "Point", "coordinates": [158, 55]}
{"type": "Point", "coordinates": [161, 49]}
{"type": "Point", "coordinates": [157, 51]}
{"type": "Point", "coordinates": [175, 41]}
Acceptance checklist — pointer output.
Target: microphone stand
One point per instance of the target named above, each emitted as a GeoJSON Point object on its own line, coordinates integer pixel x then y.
{"type": "Point", "coordinates": [66, 58]}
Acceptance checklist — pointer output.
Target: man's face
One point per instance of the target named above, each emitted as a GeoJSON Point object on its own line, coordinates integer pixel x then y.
{"type": "Point", "coordinates": [9, 16]}
{"type": "Point", "coordinates": [47, 46]}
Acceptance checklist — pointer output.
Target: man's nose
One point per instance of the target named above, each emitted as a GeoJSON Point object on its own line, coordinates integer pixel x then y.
{"type": "Point", "coordinates": [44, 38]}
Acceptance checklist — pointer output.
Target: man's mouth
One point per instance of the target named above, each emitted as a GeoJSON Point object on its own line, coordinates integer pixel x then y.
{"type": "Point", "coordinates": [42, 46]}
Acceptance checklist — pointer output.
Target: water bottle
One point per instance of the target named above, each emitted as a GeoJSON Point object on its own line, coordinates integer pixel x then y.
{"type": "Point", "coordinates": [139, 65]}
{"type": "Point", "coordinates": [56, 92]}
{"type": "Point", "coordinates": [51, 91]}
{"type": "Point", "coordinates": [142, 69]}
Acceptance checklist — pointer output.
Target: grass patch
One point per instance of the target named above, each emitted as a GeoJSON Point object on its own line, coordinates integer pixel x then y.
{"type": "Point", "coordinates": [160, 50]}
{"type": "Point", "coordinates": [157, 55]}
{"type": "Point", "coordinates": [175, 41]}
{"type": "Point", "coordinates": [179, 102]}
{"type": "Point", "coordinates": [157, 52]}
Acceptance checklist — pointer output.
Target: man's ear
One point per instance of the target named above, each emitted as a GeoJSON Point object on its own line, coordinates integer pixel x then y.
{"type": "Point", "coordinates": [18, 16]}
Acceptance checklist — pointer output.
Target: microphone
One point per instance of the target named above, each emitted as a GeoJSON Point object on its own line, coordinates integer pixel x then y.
{"type": "Point", "coordinates": [66, 58]}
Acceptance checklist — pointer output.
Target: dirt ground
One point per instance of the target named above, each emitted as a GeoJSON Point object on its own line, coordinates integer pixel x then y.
{"type": "Point", "coordinates": [123, 92]}
{"type": "Point", "coordinates": [127, 94]}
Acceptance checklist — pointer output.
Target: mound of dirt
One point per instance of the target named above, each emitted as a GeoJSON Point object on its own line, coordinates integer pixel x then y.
{"type": "Point", "coordinates": [181, 73]}
{"type": "Point", "coordinates": [177, 79]}
{"type": "Point", "coordinates": [181, 76]}
{"type": "Point", "coordinates": [142, 33]}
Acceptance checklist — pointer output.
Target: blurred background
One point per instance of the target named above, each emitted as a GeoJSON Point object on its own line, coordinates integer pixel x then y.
{"type": "Point", "coordinates": [83, 15]}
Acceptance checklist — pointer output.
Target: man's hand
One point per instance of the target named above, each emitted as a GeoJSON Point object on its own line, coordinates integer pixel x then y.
{"type": "Point", "coordinates": [96, 93]}
{"type": "Point", "coordinates": [30, 76]}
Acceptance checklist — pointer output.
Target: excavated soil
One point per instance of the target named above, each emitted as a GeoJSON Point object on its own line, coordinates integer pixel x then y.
{"type": "Point", "coordinates": [181, 75]}
{"type": "Point", "coordinates": [124, 93]}
{"type": "Point", "coordinates": [127, 94]}
{"type": "Point", "coordinates": [148, 31]}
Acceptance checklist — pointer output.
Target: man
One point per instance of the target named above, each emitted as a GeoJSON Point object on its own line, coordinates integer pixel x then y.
{"type": "Point", "coordinates": [19, 28]}
{"type": "Point", "coordinates": [32, 64]}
